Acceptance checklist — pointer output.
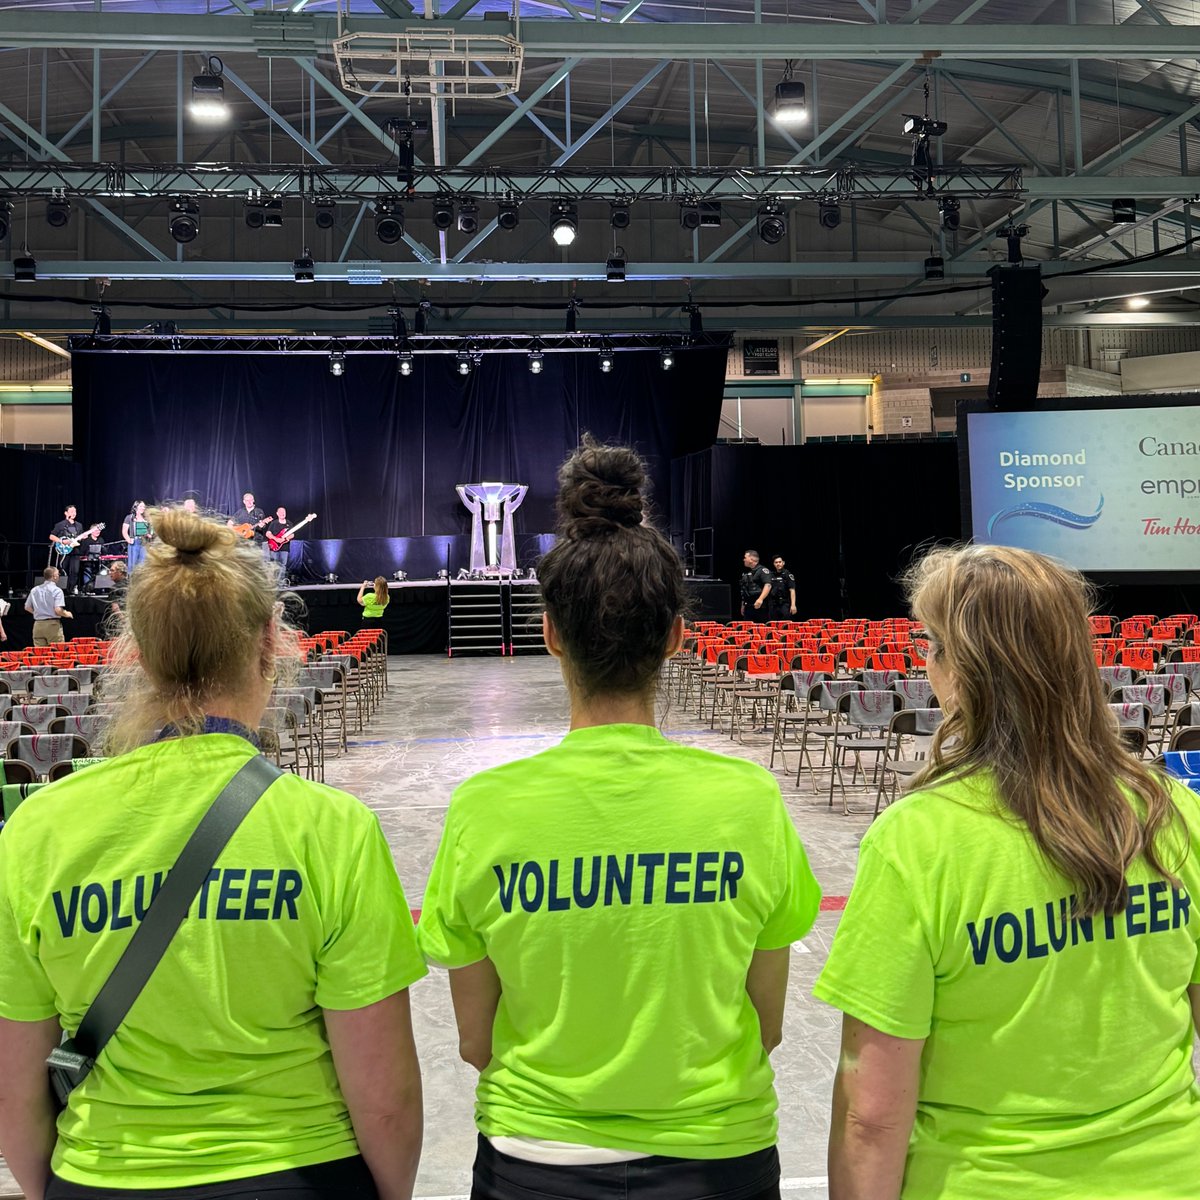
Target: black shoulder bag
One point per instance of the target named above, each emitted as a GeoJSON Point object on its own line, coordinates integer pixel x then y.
{"type": "Point", "coordinates": [70, 1063]}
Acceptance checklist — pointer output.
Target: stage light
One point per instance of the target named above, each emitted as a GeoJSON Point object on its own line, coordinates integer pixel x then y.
{"type": "Point", "coordinates": [443, 212]}
{"type": "Point", "coordinates": [537, 362]}
{"type": "Point", "coordinates": [829, 214]}
{"type": "Point", "coordinates": [208, 93]}
{"type": "Point", "coordinates": [24, 267]}
{"type": "Point", "coordinates": [404, 363]}
{"type": "Point", "coordinates": [1137, 302]}
{"type": "Point", "coordinates": [421, 317]}
{"type": "Point", "coordinates": [695, 318]}
{"type": "Point", "coordinates": [58, 211]}
{"type": "Point", "coordinates": [399, 576]}
{"type": "Point", "coordinates": [468, 217]}
{"type": "Point", "coordinates": [689, 214]}
{"type": "Point", "coordinates": [618, 214]}
{"type": "Point", "coordinates": [935, 267]}
{"type": "Point", "coordinates": [5, 219]}
{"type": "Point", "coordinates": [184, 219]}
{"type": "Point", "coordinates": [337, 364]}
{"type": "Point", "coordinates": [1124, 212]}
{"type": "Point", "coordinates": [389, 221]}
{"type": "Point", "coordinates": [772, 223]}
{"type": "Point", "coordinates": [950, 208]}
{"type": "Point", "coordinates": [264, 214]}
{"type": "Point", "coordinates": [571, 324]}
{"type": "Point", "coordinates": [508, 214]}
{"type": "Point", "coordinates": [303, 268]}
{"type": "Point", "coordinates": [666, 359]}
{"type": "Point", "coordinates": [791, 104]}
{"type": "Point", "coordinates": [614, 266]}
{"type": "Point", "coordinates": [923, 126]}
{"type": "Point", "coordinates": [463, 363]}
{"type": "Point", "coordinates": [330, 578]}
{"type": "Point", "coordinates": [564, 223]}
{"type": "Point", "coordinates": [606, 360]}
{"type": "Point", "coordinates": [324, 212]}
{"type": "Point", "coordinates": [710, 214]}
{"type": "Point", "coordinates": [252, 213]}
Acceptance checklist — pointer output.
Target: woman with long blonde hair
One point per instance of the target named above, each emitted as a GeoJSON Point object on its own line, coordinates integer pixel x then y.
{"type": "Point", "coordinates": [1018, 965]}
{"type": "Point", "coordinates": [250, 1063]}
{"type": "Point", "coordinates": [374, 604]}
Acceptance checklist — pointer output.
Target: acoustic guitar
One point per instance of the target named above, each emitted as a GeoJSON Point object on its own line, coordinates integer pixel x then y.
{"type": "Point", "coordinates": [246, 530]}
{"type": "Point", "coordinates": [278, 541]}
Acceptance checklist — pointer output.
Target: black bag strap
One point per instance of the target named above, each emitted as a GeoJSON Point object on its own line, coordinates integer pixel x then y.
{"type": "Point", "coordinates": [169, 907]}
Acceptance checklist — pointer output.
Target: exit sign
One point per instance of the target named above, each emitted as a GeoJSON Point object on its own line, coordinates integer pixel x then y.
{"type": "Point", "coordinates": [965, 377]}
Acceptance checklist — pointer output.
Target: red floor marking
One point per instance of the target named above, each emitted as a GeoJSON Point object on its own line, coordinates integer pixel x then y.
{"type": "Point", "coordinates": [833, 903]}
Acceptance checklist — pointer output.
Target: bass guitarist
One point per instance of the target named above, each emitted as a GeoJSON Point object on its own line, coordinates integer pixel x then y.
{"type": "Point", "coordinates": [67, 535]}
{"type": "Point", "coordinates": [277, 530]}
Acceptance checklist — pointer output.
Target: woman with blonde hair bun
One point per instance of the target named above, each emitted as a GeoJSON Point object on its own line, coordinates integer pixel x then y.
{"type": "Point", "coordinates": [1018, 964]}
{"type": "Point", "coordinates": [249, 1063]}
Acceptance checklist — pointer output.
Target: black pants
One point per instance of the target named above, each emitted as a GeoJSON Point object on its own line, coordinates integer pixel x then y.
{"type": "Point", "coordinates": [69, 566]}
{"type": "Point", "coordinates": [342, 1179]}
{"type": "Point", "coordinates": [750, 1177]}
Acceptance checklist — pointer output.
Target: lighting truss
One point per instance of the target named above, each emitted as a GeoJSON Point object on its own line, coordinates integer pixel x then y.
{"type": "Point", "coordinates": [610, 185]}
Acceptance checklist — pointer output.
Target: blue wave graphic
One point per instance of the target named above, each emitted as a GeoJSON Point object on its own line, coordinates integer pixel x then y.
{"type": "Point", "coordinates": [1047, 512]}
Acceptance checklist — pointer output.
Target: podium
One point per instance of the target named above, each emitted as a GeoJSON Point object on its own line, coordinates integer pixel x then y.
{"type": "Point", "coordinates": [493, 546]}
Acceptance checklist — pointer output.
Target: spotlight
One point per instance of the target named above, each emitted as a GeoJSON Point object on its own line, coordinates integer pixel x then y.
{"type": "Point", "coordinates": [253, 214]}
{"type": "Point", "coordinates": [1124, 212]}
{"type": "Point", "coordinates": [614, 266]}
{"type": "Point", "coordinates": [791, 104]}
{"type": "Point", "coordinates": [264, 214]}
{"type": "Point", "coordinates": [24, 267]}
{"type": "Point", "coordinates": [184, 219]}
{"type": "Point", "coordinates": [337, 364]}
{"type": "Point", "coordinates": [564, 222]}
{"type": "Point", "coordinates": [923, 126]}
{"type": "Point", "coordinates": [689, 214]}
{"type": "Point", "coordinates": [935, 267]}
{"type": "Point", "coordinates": [404, 363]}
{"type": "Point", "coordinates": [468, 217]}
{"type": "Point", "coordinates": [443, 212]}
{"type": "Point", "coordinates": [462, 363]}
{"type": "Point", "coordinates": [666, 359]}
{"type": "Point", "coordinates": [58, 211]}
{"type": "Point", "coordinates": [389, 221]}
{"type": "Point", "coordinates": [5, 218]}
{"type": "Point", "coordinates": [508, 214]}
{"type": "Point", "coordinates": [618, 214]}
{"type": "Point", "coordinates": [710, 214]}
{"type": "Point", "coordinates": [537, 362]}
{"type": "Point", "coordinates": [399, 576]}
{"type": "Point", "coordinates": [772, 223]}
{"type": "Point", "coordinates": [1136, 302]}
{"type": "Point", "coordinates": [324, 212]}
{"type": "Point", "coordinates": [330, 578]}
{"type": "Point", "coordinates": [303, 268]}
{"type": "Point", "coordinates": [606, 361]}
{"type": "Point", "coordinates": [829, 214]}
{"type": "Point", "coordinates": [208, 93]}
{"type": "Point", "coordinates": [949, 207]}
{"type": "Point", "coordinates": [695, 318]}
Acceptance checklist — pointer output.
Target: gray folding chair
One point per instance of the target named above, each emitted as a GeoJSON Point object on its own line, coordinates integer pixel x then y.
{"type": "Point", "coordinates": [860, 723]}
{"type": "Point", "coordinates": [53, 685]}
{"type": "Point", "coordinates": [909, 727]}
{"type": "Point", "coordinates": [42, 750]}
{"type": "Point", "coordinates": [797, 696]}
{"type": "Point", "coordinates": [915, 693]}
{"type": "Point", "coordinates": [37, 715]}
{"type": "Point", "coordinates": [828, 695]}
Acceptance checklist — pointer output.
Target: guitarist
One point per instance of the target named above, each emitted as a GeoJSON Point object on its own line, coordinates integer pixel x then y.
{"type": "Point", "coordinates": [277, 527]}
{"type": "Point", "coordinates": [249, 514]}
{"type": "Point", "coordinates": [65, 533]}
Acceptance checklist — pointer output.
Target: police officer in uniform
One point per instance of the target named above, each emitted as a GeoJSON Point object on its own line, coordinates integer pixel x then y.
{"type": "Point", "coordinates": [782, 602]}
{"type": "Point", "coordinates": [756, 586]}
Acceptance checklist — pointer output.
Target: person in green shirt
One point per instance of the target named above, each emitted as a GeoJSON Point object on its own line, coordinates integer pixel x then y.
{"type": "Point", "coordinates": [617, 912]}
{"type": "Point", "coordinates": [1019, 962]}
{"type": "Point", "coordinates": [373, 604]}
{"type": "Point", "coordinates": [250, 1062]}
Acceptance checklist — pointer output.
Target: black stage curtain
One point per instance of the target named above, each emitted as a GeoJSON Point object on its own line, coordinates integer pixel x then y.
{"type": "Point", "coordinates": [373, 453]}
{"type": "Point", "coordinates": [34, 490]}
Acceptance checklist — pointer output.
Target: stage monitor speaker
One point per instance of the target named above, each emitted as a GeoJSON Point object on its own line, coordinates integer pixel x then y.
{"type": "Point", "coordinates": [1016, 336]}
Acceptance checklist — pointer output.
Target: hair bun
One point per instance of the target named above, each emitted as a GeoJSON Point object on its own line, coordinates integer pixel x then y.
{"type": "Point", "coordinates": [189, 533]}
{"type": "Point", "coordinates": [600, 488]}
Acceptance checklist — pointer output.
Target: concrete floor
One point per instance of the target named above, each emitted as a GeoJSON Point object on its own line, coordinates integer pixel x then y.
{"type": "Point", "coordinates": [443, 720]}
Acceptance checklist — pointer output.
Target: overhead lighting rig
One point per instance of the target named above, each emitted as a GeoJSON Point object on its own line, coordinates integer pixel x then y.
{"type": "Point", "coordinates": [772, 223]}
{"type": "Point", "coordinates": [58, 211]}
{"type": "Point", "coordinates": [260, 213]}
{"type": "Point", "coordinates": [304, 270]}
{"type": "Point", "coordinates": [791, 104]}
{"type": "Point", "coordinates": [183, 221]}
{"type": "Point", "coordinates": [208, 93]}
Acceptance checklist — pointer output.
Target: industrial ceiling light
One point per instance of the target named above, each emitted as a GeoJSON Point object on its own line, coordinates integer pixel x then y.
{"type": "Point", "coordinates": [5, 219]}
{"type": "Point", "coordinates": [24, 267]}
{"type": "Point", "coordinates": [606, 360]}
{"type": "Point", "coordinates": [935, 267]}
{"type": "Point", "coordinates": [337, 364]}
{"type": "Point", "coordinates": [208, 93]}
{"type": "Point", "coordinates": [443, 212]}
{"type": "Point", "coordinates": [468, 217]}
{"type": "Point", "coordinates": [791, 104]}
{"type": "Point", "coordinates": [537, 362]}
{"type": "Point", "coordinates": [1137, 302]}
{"type": "Point", "coordinates": [949, 207]}
{"type": "Point", "coordinates": [463, 363]}
{"type": "Point", "coordinates": [689, 214]}
{"type": "Point", "coordinates": [58, 211]}
{"type": "Point", "coordinates": [1124, 212]}
{"type": "Point", "coordinates": [829, 214]}
{"type": "Point", "coordinates": [618, 214]}
{"type": "Point", "coordinates": [508, 214]}
{"type": "Point", "coordinates": [404, 363]}
{"type": "Point", "coordinates": [614, 266]}
{"type": "Point", "coordinates": [389, 221]}
{"type": "Point", "coordinates": [564, 222]}
{"type": "Point", "coordinates": [666, 359]}
{"type": "Point", "coordinates": [303, 268]}
{"type": "Point", "coordinates": [183, 219]}
{"type": "Point", "coordinates": [324, 212]}
{"type": "Point", "coordinates": [772, 223]}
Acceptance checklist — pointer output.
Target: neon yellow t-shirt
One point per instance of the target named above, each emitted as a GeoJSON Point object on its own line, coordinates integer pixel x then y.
{"type": "Point", "coordinates": [1058, 1053]}
{"type": "Point", "coordinates": [222, 1068]}
{"type": "Point", "coordinates": [371, 607]}
{"type": "Point", "coordinates": [620, 884]}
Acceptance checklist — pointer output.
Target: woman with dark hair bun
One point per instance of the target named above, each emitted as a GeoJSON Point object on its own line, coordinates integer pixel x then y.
{"type": "Point", "coordinates": [617, 912]}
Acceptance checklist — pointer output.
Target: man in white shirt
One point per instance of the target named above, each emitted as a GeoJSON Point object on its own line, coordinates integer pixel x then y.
{"type": "Point", "coordinates": [45, 605]}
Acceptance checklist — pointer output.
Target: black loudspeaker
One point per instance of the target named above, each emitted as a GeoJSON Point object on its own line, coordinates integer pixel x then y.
{"type": "Point", "coordinates": [1016, 336]}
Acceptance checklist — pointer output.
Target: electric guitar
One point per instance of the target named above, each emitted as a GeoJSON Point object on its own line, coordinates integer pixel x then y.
{"type": "Point", "coordinates": [278, 541]}
{"type": "Point", "coordinates": [246, 530]}
{"type": "Point", "coordinates": [70, 545]}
